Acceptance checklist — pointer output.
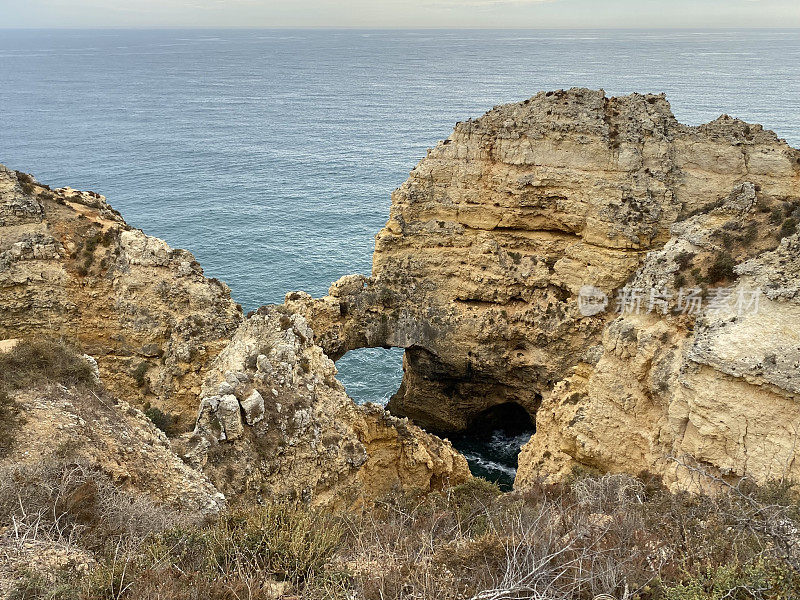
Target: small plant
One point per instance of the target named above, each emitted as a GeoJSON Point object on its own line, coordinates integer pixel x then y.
{"type": "Point", "coordinates": [107, 237]}
{"type": "Point", "coordinates": [10, 418]}
{"type": "Point", "coordinates": [684, 260]}
{"type": "Point", "coordinates": [776, 216]}
{"type": "Point", "coordinates": [788, 228]}
{"type": "Point", "coordinates": [92, 242]}
{"type": "Point", "coordinates": [26, 182]}
{"type": "Point", "coordinates": [727, 240]}
{"type": "Point", "coordinates": [722, 268]}
{"type": "Point", "coordinates": [163, 421]}
{"type": "Point", "coordinates": [139, 373]}
{"type": "Point", "coordinates": [750, 234]}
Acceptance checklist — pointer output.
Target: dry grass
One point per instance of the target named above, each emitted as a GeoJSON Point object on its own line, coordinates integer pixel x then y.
{"type": "Point", "coordinates": [612, 535]}
{"type": "Point", "coordinates": [34, 362]}
{"type": "Point", "coordinates": [40, 360]}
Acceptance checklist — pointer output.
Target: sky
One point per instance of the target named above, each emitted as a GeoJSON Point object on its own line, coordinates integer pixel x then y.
{"type": "Point", "coordinates": [527, 14]}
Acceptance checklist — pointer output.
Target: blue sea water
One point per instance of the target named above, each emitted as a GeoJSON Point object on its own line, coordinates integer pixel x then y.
{"type": "Point", "coordinates": [271, 154]}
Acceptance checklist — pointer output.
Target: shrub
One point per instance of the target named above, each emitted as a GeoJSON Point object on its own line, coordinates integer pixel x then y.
{"type": "Point", "coordinates": [727, 240]}
{"type": "Point", "coordinates": [776, 216]}
{"type": "Point", "coordinates": [241, 550]}
{"type": "Point", "coordinates": [750, 235]}
{"type": "Point", "coordinates": [41, 360]}
{"type": "Point", "coordinates": [26, 182]}
{"type": "Point", "coordinates": [165, 422]}
{"type": "Point", "coordinates": [684, 260]}
{"type": "Point", "coordinates": [92, 242]}
{"type": "Point", "coordinates": [139, 373]}
{"type": "Point", "coordinates": [72, 504]}
{"type": "Point", "coordinates": [788, 228]}
{"type": "Point", "coordinates": [763, 579]}
{"type": "Point", "coordinates": [107, 237]}
{"type": "Point", "coordinates": [721, 269]}
{"type": "Point", "coordinates": [10, 419]}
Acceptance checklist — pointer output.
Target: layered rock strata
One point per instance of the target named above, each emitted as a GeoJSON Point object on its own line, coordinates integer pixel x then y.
{"type": "Point", "coordinates": [478, 272]}
{"type": "Point", "coordinates": [70, 266]}
{"type": "Point", "coordinates": [273, 420]}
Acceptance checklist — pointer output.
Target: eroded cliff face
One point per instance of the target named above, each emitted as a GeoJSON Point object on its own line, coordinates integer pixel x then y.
{"type": "Point", "coordinates": [489, 242]}
{"type": "Point", "coordinates": [272, 421]}
{"type": "Point", "coordinates": [678, 395]}
{"type": "Point", "coordinates": [275, 422]}
{"type": "Point", "coordinates": [70, 266]}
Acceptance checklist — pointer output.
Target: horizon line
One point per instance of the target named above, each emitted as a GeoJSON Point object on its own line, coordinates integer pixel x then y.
{"type": "Point", "coordinates": [385, 28]}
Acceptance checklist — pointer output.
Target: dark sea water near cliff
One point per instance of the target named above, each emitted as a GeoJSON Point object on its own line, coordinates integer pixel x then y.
{"type": "Point", "coordinates": [271, 154]}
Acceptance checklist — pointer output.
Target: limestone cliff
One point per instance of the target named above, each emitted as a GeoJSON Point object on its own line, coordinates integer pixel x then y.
{"type": "Point", "coordinates": [489, 242]}
{"type": "Point", "coordinates": [668, 394]}
{"type": "Point", "coordinates": [70, 266]}
{"type": "Point", "coordinates": [275, 422]}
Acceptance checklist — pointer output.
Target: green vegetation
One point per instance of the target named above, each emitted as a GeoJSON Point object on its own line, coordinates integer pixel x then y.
{"type": "Point", "coordinates": [10, 419]}
{"type": "Point", "coordinates": [26, 182]}
{"type": "Point", "coordinates": [684, 260]}
{"type": "Point", "coordinates": [139, 373]}
{"type": "Point", "coordinates": [31, 363]}
{"type": "Point", "coordinates": [788, 228]}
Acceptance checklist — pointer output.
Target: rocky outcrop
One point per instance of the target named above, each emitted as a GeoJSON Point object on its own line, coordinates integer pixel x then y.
{"type": "Point", "coordinates": [70, 266]}
{"type": "Point", "coordinates": [275, 422]}
{"type": "Point", "coordinates": [490, 242]}
{"type": "Point", "coordinates": [66, 424]}
{"type": "Point", "coordinates": [588, 259]}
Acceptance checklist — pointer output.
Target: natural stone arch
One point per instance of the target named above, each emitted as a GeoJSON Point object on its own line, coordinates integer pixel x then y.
{"type": "Point", "coordinates": [489, 242]}
{"type": "Point", "coordinates": [441, 391]}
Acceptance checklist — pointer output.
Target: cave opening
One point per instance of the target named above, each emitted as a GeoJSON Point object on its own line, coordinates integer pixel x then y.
{"type": "Point", "coordinates": [492, 440]}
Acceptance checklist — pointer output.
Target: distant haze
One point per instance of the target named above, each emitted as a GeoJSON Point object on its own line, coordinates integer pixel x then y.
{"type": "Point", "coordinates": [403, 13]}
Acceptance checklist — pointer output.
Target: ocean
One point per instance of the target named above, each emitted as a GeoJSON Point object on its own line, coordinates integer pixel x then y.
{"type": "Point", "coordinates": [271, 154]}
